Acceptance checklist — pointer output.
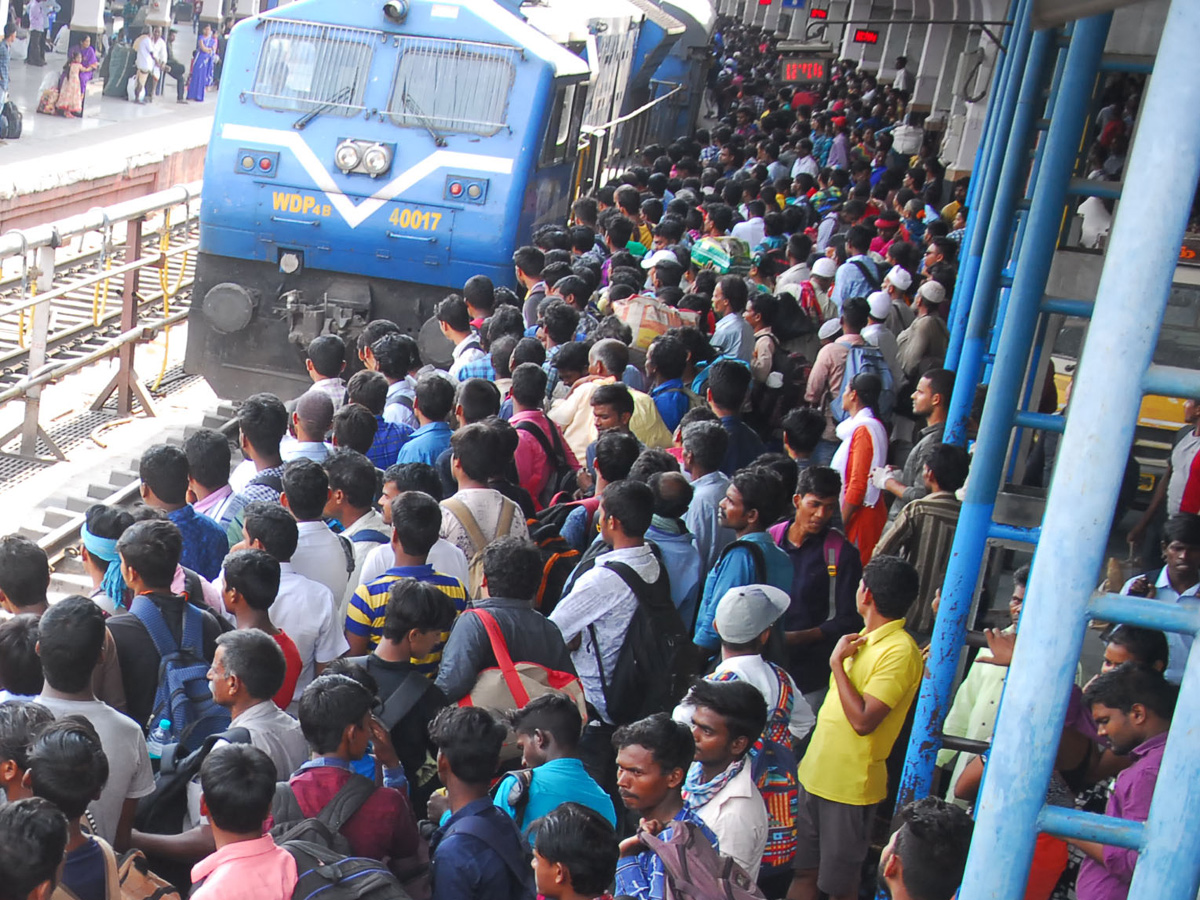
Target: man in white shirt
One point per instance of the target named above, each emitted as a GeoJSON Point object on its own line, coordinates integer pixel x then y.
{"type": "Point", "coordinates": [727, 718]}
{"type": "Point", "coordinates": [806, 163]}
{"type": "Point", "coordinates": [304, 609]}
{"type": "Point", "coordinates": [476, 515]}
{"type": "Point", "coordinates": [351, 490]}
{"type": "Point", "coordinates": [753, 230]}
{"type": "Point", "coordinates": [247, 670]}
{"type": "Point", "coordinates": [311, 420]}
{"type": "Point", "coordinates": [1178, 582]}
{"type": "Point", "coordinates": [444, 557]}
{"type": "Point", "coordinates": [70, 640]}
{"type": "Point", "coordinates": [798, 248]}
{"type": "Point", "coordinates": [455, 322]}
{"type": "Point", "coordinates": [601, 604]}
{"type": "Point", "coordinates": [320, 554]}
{"type": "Point", "coordinates": [904, 79]}
{"type": "Point", "coordinates": [151, 57]}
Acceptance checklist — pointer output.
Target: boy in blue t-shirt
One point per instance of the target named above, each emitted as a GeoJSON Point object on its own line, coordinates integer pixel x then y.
{"type": "Point", "coordinates": [548, 731]}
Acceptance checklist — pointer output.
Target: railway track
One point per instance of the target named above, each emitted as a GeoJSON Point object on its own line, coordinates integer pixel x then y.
{"type": "Point", "coordinates": [88, 313]}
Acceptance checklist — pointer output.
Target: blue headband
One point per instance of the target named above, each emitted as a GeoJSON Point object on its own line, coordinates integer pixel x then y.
{"type": "Point", "coordinates": [106, 549]}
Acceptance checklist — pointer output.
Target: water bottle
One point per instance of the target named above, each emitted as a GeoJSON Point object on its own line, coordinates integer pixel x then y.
{"type": "Point", "coordinates": [159, 738]}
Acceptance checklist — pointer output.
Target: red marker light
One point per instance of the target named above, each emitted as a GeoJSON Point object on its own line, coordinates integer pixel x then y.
{"type": "Point", "coordinates": [265, 164]}
{"type": "Point", "coordinates": [456, 189]}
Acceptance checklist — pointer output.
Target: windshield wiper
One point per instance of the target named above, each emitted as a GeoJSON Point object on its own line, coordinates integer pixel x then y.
{"type": "Point", "coordinates": [410, 103]}
{"type": "Point", "coordinates": [337, 100]}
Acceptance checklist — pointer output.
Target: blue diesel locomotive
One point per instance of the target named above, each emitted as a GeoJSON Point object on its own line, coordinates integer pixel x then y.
{"type": "Point", "coordinates": [366, 159]}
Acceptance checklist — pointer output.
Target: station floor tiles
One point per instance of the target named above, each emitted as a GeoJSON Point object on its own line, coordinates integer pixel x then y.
{"type": "Point", "coordinates": [55, 150]}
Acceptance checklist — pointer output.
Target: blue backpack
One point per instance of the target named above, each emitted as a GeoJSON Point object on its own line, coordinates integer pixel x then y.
{"type": "Point", "coordinates": [866, 358]}
{"type": "Point", "coordinates": [183, 694]}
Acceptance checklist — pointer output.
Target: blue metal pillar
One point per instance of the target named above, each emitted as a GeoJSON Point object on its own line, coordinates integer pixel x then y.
{"type": "Point", "coordinates": [975, 519]}
{"type": "Point", "coordinates": [1149, 227]}
{"type": "Point", "coordinates": [998, 237]}
{"type": "Point", "coordinates": [985, 175]}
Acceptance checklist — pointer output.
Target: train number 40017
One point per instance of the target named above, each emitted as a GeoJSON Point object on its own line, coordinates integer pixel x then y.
{"type": "Point", "coordinates": [415, 219]}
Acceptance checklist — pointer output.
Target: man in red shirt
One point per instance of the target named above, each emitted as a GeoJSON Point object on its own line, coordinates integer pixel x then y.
{"type": "Point", "coordinates": [250, 584]}
{"type": "Point", "coordinates": [335, 716]}
{"type": "Point", "coordinates": [536, 467]}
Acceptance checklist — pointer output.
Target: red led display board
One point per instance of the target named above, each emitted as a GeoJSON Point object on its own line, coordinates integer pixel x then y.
{"type": "Point", "coordinates": [815, 13]}
{"type": "Point", "coordinates": [865, 36]}
{"type": "Point", "coordinates": [804, 70]}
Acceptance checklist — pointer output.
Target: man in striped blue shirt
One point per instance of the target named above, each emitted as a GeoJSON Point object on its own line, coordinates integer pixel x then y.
{"type": "Point", "coordinates": [416, 523]}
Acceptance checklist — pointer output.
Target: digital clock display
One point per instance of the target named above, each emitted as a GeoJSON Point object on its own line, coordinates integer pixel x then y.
{"type": "Point", "coordinates": [804, 70]}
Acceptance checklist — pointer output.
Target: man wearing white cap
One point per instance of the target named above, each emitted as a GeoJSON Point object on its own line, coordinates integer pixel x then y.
{"type": "Point", "coordinates": [824, 270]}
{"type": "Point", "coordinates": [745, 616]}
{"type": "Point", "coordinates": [922, 345]}
{"type": "Point", "coordinates": [664, 270]}
{"type": "Point", "coordinates": [896, 283]}
{"type": "Point", "coordinates": [877, 334]}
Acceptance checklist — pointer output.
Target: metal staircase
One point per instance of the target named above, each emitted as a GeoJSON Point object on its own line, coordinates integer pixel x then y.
{"type": "Point", "coordinates": [1038, 113]}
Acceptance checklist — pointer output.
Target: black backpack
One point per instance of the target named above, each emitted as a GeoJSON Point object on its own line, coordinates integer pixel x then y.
{"type": "Point", "coordinates": [325, 828]}
{"type": "Point", "coordinates": [163, 811]}
{"type": "Point", "coordinates": [657, 658]}
{"type": "Point", "coordinates": [334, 876]}
{"type": "Point", "coordinates": [11, 121]}
{"type": "Point", "coordinates": [562, 479]}
{"type": "Point", "coordinates": [768, 405]}
{"type": "Point", "coordinates": [559, 558]}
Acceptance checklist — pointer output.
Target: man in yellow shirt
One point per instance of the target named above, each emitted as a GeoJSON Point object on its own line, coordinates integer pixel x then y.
{"type": "Point", "coordinates": [875, 675]}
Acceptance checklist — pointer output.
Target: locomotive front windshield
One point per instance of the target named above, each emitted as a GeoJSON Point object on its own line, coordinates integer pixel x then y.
{"type": "Point", "coordinates": [452, 86]}
{"type": "Point", "coordinates": [307, 67]}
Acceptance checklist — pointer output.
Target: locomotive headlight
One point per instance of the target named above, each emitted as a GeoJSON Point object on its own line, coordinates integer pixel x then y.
{"type": "Point", "coordinates": [376, 160]}
{"type": "Point", "coordinates": [346, 157]}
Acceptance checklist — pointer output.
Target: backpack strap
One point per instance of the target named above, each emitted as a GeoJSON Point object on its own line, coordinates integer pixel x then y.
{"type": "Point", "coordinates": [193, 630]}
{"type": "Point", "coordinates": [346, 802]}
{"type": "Point", "coordinates": [112, 871]}
{"type": "Point", "coordinates": [599, 661]}
{"type": "Point", "coordinates": [403, 699]}
{"type": "Point", "coordinates": [634, 581]}
{"type": "Point", "coordinates": [285, 808]}
{"type": "Point", "coordinates": [467, 520]}
{"type": "Point", "coordinates": [347, 552]}
{"type": "Point", "coordinates": [756, 554]}
{"type": "Point", "coordinates": [831, 549]}
{"type": "Point", "coordinates": [867, 273]}
{"type": "Point", "coordinates": [503, 657]}
{"type": "Point", "coordinates": [148, 613]}
{"type": "Point", "coordinates": [518, 794]}
{"type": "Point", "coordinates": [507, 514]}
{"type": "Point", "coordinates": [370, 535]}
{"type": "Point", "coordinates": [484, 830]}
{"type": "Point", "coordinates": [539, 436]}
{"type": "Point", "coordinates": [268, 479]}
{"type": "Point", "coordinates": [193, 588]}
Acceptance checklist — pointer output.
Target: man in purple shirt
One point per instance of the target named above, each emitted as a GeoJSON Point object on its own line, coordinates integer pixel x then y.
{"type": "Point", "coordinates": [1132, 707]}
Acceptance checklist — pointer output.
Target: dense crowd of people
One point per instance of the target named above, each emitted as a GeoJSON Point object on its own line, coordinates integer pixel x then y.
{"type": "Point", "coordinates": [608, 587]}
